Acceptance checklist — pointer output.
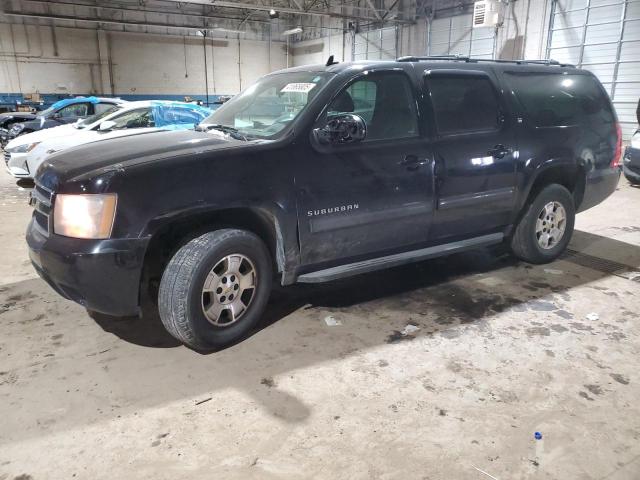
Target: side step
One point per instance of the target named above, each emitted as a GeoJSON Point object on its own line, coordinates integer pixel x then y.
{"type": "Point", "coordinates": [373, 264]}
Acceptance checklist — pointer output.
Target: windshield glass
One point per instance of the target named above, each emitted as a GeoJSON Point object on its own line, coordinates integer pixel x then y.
{"type": "Point", "coordinates": [45, 113]}
{"type": "Point", "coordinates": [269, 105]}
{"type": "Point", "coordinates": [94, 118]}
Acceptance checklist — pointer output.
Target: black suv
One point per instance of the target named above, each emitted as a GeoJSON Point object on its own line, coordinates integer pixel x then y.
{"type": "Point", "coordinates": [321, 172]}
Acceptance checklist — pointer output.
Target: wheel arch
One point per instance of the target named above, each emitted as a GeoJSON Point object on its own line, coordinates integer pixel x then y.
{"type": "Point", "coordinates": [167, 236]}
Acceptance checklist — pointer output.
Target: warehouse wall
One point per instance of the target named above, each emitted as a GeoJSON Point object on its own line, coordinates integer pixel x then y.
{"type": "Point", "coordinates": [83, 61]}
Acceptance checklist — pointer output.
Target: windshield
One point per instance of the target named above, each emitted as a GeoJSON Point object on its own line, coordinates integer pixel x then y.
{"type": "Point", "coordinates": [45, 113]}
{"type": "Point", "coordinates": [94, 118]}
{"type": "Point", "coordinates": [269, 105]}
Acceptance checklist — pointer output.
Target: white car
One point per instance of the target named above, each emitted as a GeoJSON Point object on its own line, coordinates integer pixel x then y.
{"type": "Point", "coordinates": [24, 154]}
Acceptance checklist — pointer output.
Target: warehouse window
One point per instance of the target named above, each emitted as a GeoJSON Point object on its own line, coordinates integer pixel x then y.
{"type": "Point", "coordinates": [464, 103]}
{"type": "Point", "coordinates": [384, 101]}
{"type": "Point", "coordinates": [553, 100]}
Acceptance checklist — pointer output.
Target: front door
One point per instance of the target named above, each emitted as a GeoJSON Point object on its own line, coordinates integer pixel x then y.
{"type": "Point", "coordinates": [474, 154]}
{"type": "Point", "coordinates": [371, 197]}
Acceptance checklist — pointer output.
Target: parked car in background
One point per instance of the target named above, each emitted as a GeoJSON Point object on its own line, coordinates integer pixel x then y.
{"type": "Point", "coordinates": [24, 154]}
{"type": "Point", "coordinates": [631, 162]}
{"type": "Point", "coordinates": [287, 177]}
{"type": "Point", "coordinates": [62, 112]}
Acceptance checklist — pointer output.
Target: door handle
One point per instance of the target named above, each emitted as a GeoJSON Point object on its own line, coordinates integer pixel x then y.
{"type": "Point", "coordinates": [412, 162]}
{"type": "Point", "coordinates": [499, 151]}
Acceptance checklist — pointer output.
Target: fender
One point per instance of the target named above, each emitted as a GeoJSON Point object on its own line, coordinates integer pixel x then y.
{"type": "Point", "coordinates": [533, 171]}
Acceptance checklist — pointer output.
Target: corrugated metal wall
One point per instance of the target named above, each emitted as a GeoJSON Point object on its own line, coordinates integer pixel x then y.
{"type": "Point", "coordinates": [602, 36]}
{"type": "Point", "coordinates": [455, 36]}
{"type": "Point", "coordinates": [379, 44]}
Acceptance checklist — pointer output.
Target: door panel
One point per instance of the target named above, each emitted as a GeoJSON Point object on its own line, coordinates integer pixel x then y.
{"type": "Point", "coordinates": [474, 154]}
{"type": "Point", "coordinates": [371, 199]}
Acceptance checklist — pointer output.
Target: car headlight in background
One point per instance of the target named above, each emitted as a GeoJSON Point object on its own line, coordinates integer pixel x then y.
{"type": "Point", "coordinates": [16, 128]}
{"type": "Point", "coordinates": [635, 140]}
{"type": "Point", "coordinates": [84, 216]}
{"type": "Point", "coordinates": [24, 148]}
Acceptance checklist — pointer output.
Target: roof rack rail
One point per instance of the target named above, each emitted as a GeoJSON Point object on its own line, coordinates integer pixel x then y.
{"type": "Point", "coordinates": [462, 58]}
{"type": "Point", "coordinates": [434, 57]}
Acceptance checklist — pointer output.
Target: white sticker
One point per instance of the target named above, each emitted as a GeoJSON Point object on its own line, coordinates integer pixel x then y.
{"type": "Point", "coordinates": [298, 87]}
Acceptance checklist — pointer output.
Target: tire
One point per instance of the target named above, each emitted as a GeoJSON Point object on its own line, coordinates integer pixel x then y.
{"type": "Point", "coordinates": [203, 264]}
{"type": "Point", "coordinates": [631, 180]}
{"type": "Point", "coordinates": [527, 241]}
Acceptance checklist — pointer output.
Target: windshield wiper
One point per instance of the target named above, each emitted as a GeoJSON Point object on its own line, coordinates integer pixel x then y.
{"type": "Point", "coordinates": [234, 132]}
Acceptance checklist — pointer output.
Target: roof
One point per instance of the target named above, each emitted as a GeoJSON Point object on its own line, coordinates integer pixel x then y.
{"type": "Point", "coordinates": [433, 61]}
{"type": "Point", "coordinates": [71, 101]}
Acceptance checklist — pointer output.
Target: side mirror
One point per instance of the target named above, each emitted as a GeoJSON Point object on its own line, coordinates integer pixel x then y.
{"type": "Point", "coordinates": [106, 126]}
{"type": "Point", "coordinates": [341, 129]}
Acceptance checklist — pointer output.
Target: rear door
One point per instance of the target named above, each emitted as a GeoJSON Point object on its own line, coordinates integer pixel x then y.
{"type": "Point", "coordinates": [474, 153]}
{"type": "Point", "coordinates": [374, 196]}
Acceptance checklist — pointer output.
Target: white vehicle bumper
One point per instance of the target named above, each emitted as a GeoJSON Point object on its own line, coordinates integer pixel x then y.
{"type": "Point", "coordinates": [17, 165]}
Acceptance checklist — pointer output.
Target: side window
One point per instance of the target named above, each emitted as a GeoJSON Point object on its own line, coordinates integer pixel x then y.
{"type": "Point", "coordinates": [140, 118]}
{"type": "Point", "coordinates": [102, 107]}
{"type": "Point", "coordinates": [556, 100]}
{"type": "Point", "coordinates": [384, 101]}
{"type": "Point", "coordinates": [75, 110]}
{"type": "Point", "coordinates": [463, 103]}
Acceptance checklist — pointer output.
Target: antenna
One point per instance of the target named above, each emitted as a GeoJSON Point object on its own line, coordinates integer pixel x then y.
{"type": "Point", "coordinates": [330, 61]}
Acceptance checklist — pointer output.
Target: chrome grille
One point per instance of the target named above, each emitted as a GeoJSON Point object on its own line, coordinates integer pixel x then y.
{"type": "Point", "coordinates": [42, 199]}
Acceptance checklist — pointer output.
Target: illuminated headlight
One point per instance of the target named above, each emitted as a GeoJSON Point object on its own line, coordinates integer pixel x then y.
{"type": "Point", "coordinates": [84, 216]}
{"type": "Point", "coordinates": [635, 140]}
{"type": "Point", "coordinates": [24, 148]}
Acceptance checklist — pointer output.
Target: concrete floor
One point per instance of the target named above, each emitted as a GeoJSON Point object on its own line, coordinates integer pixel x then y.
{"type": "Point", "coordinates": [503, 350]}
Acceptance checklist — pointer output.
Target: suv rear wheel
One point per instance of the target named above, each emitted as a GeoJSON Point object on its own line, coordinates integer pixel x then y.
{"type": "Point", "coordinates": [215, 288]}
{"type": "Point", "coordinates": [545, 229]}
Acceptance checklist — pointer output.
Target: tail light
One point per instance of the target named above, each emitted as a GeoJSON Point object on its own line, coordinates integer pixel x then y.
{"type": "Point", "coordinates": [617, 156]}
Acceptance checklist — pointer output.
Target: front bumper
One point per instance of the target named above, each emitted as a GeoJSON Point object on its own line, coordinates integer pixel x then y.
{"type": "Point", "coordinates": [101, 275]}
{"type": "Point", "coordinates": [600, 184]}
{"type": "Point", "coordinates": [631, 164]}
{"type": "Point", "coordinates": [17, 164]}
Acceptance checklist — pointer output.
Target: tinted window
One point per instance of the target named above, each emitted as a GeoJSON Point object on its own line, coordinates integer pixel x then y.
{"type": "Point", "coordinates": [384, 101]}
{"type": "Point", "coordinates": [463, 103]}
{"type": "Point", "coordinates": [553, 100]}
{"type": "Point", "coordinates": [75, 110]}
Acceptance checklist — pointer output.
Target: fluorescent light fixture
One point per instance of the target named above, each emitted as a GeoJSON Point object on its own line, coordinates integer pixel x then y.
{"type": "Point", "coordinates": [293, 31]}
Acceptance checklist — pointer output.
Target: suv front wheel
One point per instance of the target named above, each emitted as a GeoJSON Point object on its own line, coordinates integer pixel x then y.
{"type": "Point", "coordinates": [545, 229]}
{"type": "Point", "coordinates": [215, 288]}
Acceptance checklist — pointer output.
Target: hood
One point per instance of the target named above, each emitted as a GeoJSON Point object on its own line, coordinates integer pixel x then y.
{"type": "Point", "coordinates": [42, 135]}
{"type": "Point", "coordinates": [117, 154]}
{"type": "Point", "coordinates": [22, 116]}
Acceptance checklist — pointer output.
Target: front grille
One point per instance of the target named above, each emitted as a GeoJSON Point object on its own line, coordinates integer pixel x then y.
{"type": "Point", "coordinates": [7, 157]}
{"type": "Point", "coordinates": [42, 207]}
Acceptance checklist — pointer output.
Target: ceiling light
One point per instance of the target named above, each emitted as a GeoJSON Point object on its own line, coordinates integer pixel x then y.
{"type": "Point", "coordinates": [273, 14]}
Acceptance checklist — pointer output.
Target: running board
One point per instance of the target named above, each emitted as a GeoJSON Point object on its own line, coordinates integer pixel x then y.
{"type": "Point", "coordinates": [365, 266]}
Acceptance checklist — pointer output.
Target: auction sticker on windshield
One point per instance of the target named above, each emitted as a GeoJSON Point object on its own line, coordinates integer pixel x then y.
{"type": "Point", "coordinates": [298, 87]}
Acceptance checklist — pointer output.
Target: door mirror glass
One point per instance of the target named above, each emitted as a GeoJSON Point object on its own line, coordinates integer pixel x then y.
{"type": "Point", "coordinates": [341, 129]}
{"type": "Point", "coordinates": [107, 125]}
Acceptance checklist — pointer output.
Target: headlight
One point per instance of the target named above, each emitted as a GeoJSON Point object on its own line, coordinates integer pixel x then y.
{"type": "Point", "coordinates": [17, 128]}
{"type": "Point", "coordinates": [84, 216]}
{"type": "Point", "coordinates": [635, 140]}
{"type": "Point", "coordinates": [24, 148]}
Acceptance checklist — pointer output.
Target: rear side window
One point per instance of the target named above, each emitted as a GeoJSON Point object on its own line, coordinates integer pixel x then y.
{"type": "Point", "coordinates": [464, 103]}
{"type": "Point", "coordinates": [556, 100]}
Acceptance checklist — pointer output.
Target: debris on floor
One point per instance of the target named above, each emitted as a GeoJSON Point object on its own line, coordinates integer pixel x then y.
{"type": "Point", "coordinates": [409, 329]}
{"type": "Point", "coordinates": [553, 271]}
{"type": "Point", "coordinates": [332, 321]}
{"type": "Point", "coordinates": [593, 316]}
